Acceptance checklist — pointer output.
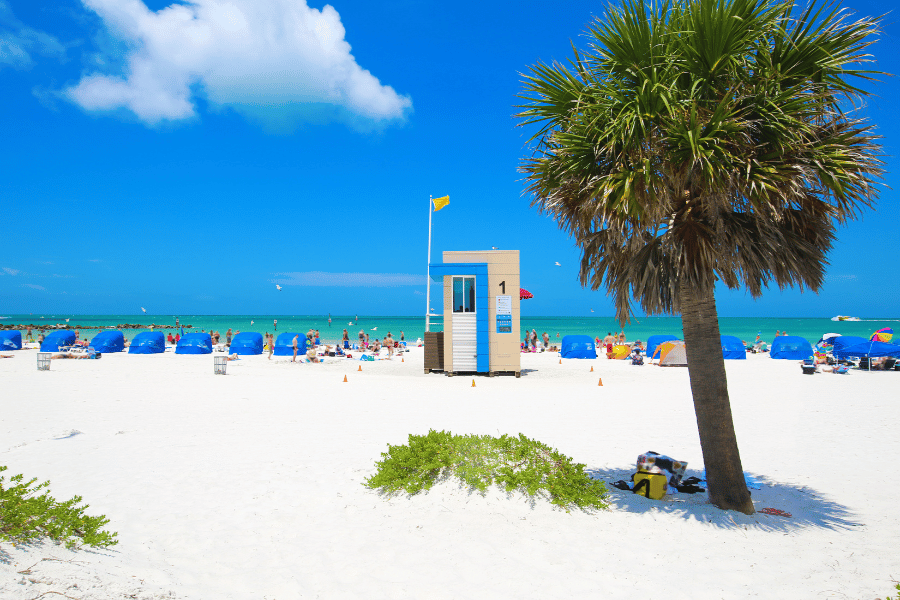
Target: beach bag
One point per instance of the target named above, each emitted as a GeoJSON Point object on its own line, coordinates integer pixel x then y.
{"type": "Point", "coordinates": [650, 485]}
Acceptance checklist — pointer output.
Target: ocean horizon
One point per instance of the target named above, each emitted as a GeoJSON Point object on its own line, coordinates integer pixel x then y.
{"type": "Point", "coordinates": [413, 327]}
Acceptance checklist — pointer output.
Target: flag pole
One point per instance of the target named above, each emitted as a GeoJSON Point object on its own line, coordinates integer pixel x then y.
{"type": "Point", "coordinates": [428, 275]}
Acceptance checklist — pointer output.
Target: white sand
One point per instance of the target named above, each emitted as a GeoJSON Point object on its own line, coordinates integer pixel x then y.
{"type": "Point", "coordinates": [249, 485]}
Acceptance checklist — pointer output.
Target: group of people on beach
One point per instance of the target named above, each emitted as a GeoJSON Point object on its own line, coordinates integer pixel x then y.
{"type": "Point", "coordinates": [533, 344]}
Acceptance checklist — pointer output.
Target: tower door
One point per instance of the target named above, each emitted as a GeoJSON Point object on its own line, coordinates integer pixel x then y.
{"type": "Point", "coordinates": [465, 332]}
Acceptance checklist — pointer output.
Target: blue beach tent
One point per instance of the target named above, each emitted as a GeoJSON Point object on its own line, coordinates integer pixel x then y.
{"type": "Point", "coordinates": [654, 341]}
{"type": "Point", "coordinates": [10, 340]}
{"type": "Point", "coordinates": [578, 346]}
{"type": "Point", "coordinates": [791, 347]}
{"type": "Point", "coordinates": [733, 348]}
{"type": "Point", "coordinates": [194, 343]}
{"type": "Point", "coordinates": [108, 341]}
{"type": "Point", "coordinates": [846, 346]}
{"type": "Point", "coordinates": [284, 344]}
{"type": "Point", "coordinates": [246, 342]}
{"type": "Point", "coordinates": [58, 339]}
{"type": "Point", "coordinates": [148, 342]}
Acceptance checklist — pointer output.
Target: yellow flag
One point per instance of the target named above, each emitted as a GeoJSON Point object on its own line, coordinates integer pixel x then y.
{"type": "Point", "coordinates": [440, 203]}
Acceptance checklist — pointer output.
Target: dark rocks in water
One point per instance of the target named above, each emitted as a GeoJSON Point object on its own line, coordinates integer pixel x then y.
{"type": "Point", "coordinates": [23, 327]}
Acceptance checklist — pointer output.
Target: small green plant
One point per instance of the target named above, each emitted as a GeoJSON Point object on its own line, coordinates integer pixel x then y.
{"type": "Point", "coordinates": [514, 463]}
{"type": "Point", "coordinates": [26, 514]}
{"type": "Point", "coordinates": [897, 597]}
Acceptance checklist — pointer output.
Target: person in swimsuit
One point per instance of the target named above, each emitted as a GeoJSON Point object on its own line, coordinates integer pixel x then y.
{"type": "Point", "coordinates": [295, 348]}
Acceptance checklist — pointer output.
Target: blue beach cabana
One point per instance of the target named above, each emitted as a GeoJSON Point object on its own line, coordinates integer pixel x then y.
{"type": "Point", "coordinates": [578, 346]}
{"type": "Point", "coordinates": [194, 343]}
{"type": "Point", "coordinates": [10, 340]}
{"type": "Point", "coordinates": [148, 342]}
{"type": "Point", "coordinates": [654, 341]}
{"type": "Point", "coordinates": [108, 341]}
{"type": "Point", "coordinates": [57, 340]}
{"type": "Point", "coordinates": [791, 347]}
{"type": "Point", "coordinates": [284, 344]}
{"type": "Point", "coordinates": [733, 348]}
{"type": "Point", "coordinates": [246, 342]}
{"type": "Point", "coordinates": [847, 346]}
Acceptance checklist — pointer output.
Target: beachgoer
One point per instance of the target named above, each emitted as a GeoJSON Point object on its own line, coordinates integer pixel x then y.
{"type": "Point", "coordinates": [362, 339]}
{"type": "Point", "coordinates": [275, 324]}
{"type": "Point", "coordinates": [318, 341]}
{"type": "Point", "coordinates": [367, 340]}
{"type": "Point", "coordinates": [177, 337]}
{"type": "Point", "coordinates": [176, 321]}
{"type": "Point", "coordinates": [777, 332]}
{"type": "Point", "coordinates": [557, 335]}
{"type": "Point", "coordinates": [228, 337]}
{"type": "Point", "coordinates": [28, 335]}
{"type": "Point", "coordinates": [534, 338]}
{"type": "Point", "coordinates": [311, 355]}
{"type": "Point", "coordinates": [389, 344]}
{"type": "Point", "coordinates": [621, 337]}
{"type": "Point", "coordinates": [70, 355]}
{"type": "Point", "coordinates": [527, 337]}
{"type": "Point", "coordinates": [271, 338]}
{"type": "Point", "coordinates": [170, 339]}
{"type": "Point", "coordinates": [546, 339]}
{"type": "Point", "coordinates": [608, 341]}
{"type": "Point", "coordinates": [402, 339]}
{"type": "Point", "coordinates": [296, 337]}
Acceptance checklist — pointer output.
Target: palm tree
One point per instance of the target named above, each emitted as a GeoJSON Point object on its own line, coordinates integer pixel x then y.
{"type": "Point", "coordinates": [705, 141]}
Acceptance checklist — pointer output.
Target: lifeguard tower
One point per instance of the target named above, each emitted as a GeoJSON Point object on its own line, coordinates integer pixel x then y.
{"type": "Point", "coordinates": [481, 314]}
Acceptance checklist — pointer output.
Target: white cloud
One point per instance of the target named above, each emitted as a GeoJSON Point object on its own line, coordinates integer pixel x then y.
{"type": "Point", "coordinates": [34, 286]}
{"type": "Point", "coordinates": [18, 41]}
{"type": "Point", "coordinates": [834, 278]}
{"type": "Point", "coordinates": [9, 271]}
{"type": "Point", "coordinates": [321, 279]}
{"type": "Point", "coordinates": [274, 60]}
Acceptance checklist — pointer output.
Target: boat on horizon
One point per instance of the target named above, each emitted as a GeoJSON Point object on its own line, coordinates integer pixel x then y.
{"type": "Point", "coordinates": [844, 318]}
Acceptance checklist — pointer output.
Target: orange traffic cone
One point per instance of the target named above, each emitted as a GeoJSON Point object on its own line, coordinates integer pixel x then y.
{"type": "Point", "coordinates": [345, 379]}
{"type": "Point", "coordinates": [473, 383]}
{"type": "Point", "coordinates": [402, 359]}
{"type": "Point", "coordinates": [560, 361]}
{"type": "Point", "coordinates": [360, 368]}
{"type": "Point", "coordinates": [601, 382]}
{"type": "Point", "coordinates": [592, 368]}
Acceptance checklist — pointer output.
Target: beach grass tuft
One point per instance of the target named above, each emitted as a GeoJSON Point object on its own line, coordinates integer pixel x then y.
{"type": "Point", "coordinates": [27, 514]}
{"type": "Point", "coordinates": [515, 463]}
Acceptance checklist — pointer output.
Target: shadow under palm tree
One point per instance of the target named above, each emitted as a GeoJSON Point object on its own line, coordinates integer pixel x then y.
{"type": "Point", "coordinates": [807, 507]}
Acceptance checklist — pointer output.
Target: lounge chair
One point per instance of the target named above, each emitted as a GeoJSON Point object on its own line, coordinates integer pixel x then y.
{"type": "Point", "coordinates": [841, 369]}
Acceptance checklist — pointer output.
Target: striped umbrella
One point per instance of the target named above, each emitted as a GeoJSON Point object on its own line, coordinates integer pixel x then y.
{"type": "Point", "coordinates": [883, 335]}
{"type": "Point", "coordinates": [525, 294]}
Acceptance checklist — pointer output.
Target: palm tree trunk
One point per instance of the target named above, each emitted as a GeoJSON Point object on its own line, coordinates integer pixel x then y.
{"type": "Point", "coordinates": [706, 367]}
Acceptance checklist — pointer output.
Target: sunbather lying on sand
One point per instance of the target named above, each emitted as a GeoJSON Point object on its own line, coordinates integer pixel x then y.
{"type": "Point", "coordinates": [7, 356]}
{"type": "Point", "coordinates": [70, 355]}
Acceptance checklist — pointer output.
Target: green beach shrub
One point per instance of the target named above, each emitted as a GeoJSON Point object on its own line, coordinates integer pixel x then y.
{"type": "Point", "coordinates": [26, 514]}
{"type": "Point", "coordinates": [513, 463]}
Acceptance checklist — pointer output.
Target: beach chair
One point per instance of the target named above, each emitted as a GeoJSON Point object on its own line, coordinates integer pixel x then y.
{"type": "Point", "coordinates": [809, 366]}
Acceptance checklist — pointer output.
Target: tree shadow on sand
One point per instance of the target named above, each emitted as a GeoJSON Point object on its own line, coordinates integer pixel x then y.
{"type": "Point", "coordinates": [807, 507]}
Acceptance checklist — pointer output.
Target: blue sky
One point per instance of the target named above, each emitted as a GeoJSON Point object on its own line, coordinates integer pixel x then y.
{"type": "Point", "coordinates": [186, 156]}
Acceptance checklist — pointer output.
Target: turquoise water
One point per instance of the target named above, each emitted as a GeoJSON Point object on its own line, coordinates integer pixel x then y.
{"type": "Point", "coordinates": [414, 327]}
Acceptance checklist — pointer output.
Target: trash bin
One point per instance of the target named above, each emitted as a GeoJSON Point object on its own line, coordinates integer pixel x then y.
{"type": "Point", "coordinates": [43, 361]}
{"type": "Point", "coordinates": [220, 364]}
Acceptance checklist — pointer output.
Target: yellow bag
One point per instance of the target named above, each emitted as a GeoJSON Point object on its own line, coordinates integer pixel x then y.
{"type": "Point", "coordinates": [650, 485]}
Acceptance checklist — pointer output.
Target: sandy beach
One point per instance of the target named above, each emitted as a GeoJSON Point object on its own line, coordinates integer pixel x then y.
{"type": "Point", "coordinates": [249, 485]}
